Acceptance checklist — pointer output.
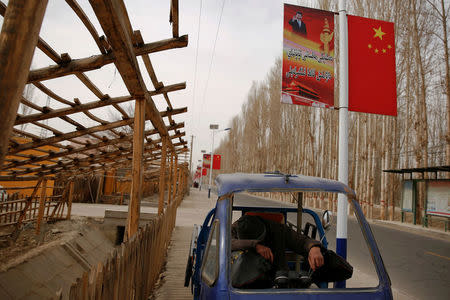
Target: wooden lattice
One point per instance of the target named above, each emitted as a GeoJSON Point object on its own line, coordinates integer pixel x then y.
{"type": "Point", "coordinates": [108, 144]}
{"type": "Point", "coordinates": [86, 148]}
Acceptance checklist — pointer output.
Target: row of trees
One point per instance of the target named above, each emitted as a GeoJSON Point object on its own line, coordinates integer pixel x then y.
{"type": "Point", "coordinates": [268, 136]}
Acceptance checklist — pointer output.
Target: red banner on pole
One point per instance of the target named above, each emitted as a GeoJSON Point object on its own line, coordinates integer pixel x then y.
{"type": "Point", "coordinates": [308, 57]}
{"type": "Point", "coordinates": [216, 162]}
{"type": "Point", "coordinates": [204, 172]}
{"type": "Point", "coordinates": [206, 161]}
{"type": "Point", "coordinates": [371, 66]}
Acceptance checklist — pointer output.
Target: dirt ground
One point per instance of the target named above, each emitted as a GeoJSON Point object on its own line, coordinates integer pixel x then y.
{"type": "Point", "coordinates": [29, 244]}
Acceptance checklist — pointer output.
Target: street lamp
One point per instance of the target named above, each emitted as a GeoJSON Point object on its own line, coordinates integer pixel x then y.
{"type": "Point", "coordinates": [214, 128]}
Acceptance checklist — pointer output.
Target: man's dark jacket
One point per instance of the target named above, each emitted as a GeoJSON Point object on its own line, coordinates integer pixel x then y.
{"type": "Point", "coordinates": [278, 237]}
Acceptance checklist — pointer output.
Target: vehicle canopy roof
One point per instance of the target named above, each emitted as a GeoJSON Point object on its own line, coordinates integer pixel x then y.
{"type": "Point", "coordinates": [277, 182]}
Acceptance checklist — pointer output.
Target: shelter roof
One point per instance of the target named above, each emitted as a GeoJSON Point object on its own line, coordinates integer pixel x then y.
{"type": "Point", "coordinates": [88, 135]}
{"type": "Point", "coordinates": [420, 170]}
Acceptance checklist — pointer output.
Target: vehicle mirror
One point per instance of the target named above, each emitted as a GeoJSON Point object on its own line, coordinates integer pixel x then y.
{"type": "Point", "coordinates": [326, 219]}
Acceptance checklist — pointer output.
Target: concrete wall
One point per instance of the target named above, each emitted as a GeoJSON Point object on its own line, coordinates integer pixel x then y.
{"type": "Point", "coordinates": [55, 268]}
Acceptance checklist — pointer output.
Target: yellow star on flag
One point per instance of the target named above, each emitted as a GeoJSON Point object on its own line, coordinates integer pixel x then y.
{"type": "Point", "coordinates": [384, 50]}
{"type": "Point", "coordinates": [376, 50]}
{"type": "Point", "coordinates": [370, 46]}
{"type": "Point", "coordinates": [378, 33]}
{"type": "Point", "coordinates": [389, 46]}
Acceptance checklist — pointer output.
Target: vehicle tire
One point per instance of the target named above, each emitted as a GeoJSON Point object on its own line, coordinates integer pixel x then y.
{"type": "Point", "coordinates": [188, 273]}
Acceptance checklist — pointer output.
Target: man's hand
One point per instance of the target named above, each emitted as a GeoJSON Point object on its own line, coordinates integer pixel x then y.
{"type": "Point", "coordinates": [264, 252]}
{"type": "Point", "coordinates": [315, 258]}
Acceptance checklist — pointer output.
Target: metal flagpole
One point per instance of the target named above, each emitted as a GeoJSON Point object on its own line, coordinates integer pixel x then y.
{"type": "Point", "coordinates": [341, 230]}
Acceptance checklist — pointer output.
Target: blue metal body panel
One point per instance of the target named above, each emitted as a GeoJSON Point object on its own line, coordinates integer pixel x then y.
{"type": "Point", "coordinates": [231, 183]}
{"type": "Point", "coordinates": [239, 182]}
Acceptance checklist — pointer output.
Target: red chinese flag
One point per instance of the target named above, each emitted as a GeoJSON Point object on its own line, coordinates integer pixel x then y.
{"type": "Point", "coordinates": [371, 66]}
{"type": "Point", "coordinates": [204, 172]}
{"type": "Point", "coordinates": [216, 162]}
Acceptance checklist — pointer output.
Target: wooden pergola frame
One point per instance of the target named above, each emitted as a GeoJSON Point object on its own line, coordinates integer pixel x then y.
{"type": "Point", "coordinates": [109, 144]}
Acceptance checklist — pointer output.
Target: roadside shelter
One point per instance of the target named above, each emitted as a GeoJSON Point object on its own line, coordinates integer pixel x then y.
{"type": "Point", "coordinates": [437, 193]}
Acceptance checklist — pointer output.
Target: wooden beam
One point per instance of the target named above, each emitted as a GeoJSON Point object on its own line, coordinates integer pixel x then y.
{"type": "Point", "coordinates": [174, 17]}
{"type": "Point", "coordinates": [21, 178]}
{"type": "Point", "coordinates": [116, 163]}
{"type": "Point", "coordinates": [97, 61]}
{"type": "Point", "coordinates": [52, 54]}
{"type": "Point", "coordinates": [162, 176]}
{"type": "Point", "coordinates": [90, 105]}
{"type": "Point", "coordinates": [89, 161]}
{"type": "Point", "coordinates": [18, 39]}
{"type": "Point", "coordinates": [91, 86]}
{"type": "Point", "coordinates": [52, 155]}
{"type": "Point", "coordinates": [136, 184]}
{"type": "Point", "coordinates": [70, 110]}
{"type": "Point", "coordinates": [70, 135]}
{"type": "Point", "coordinates": [52, 95]}
{"type": "Point", "coordinates": [114, 21]}
{"type": "Point", "coordinates": [60, 99]}
{"type": "Point", "coordinates": [80, 13]}
{"type": "Point", "coordinates": [147, 62]}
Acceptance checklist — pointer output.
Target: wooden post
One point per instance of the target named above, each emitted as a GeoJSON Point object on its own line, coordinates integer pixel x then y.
{"type": "Point", "coordinates": [41, 205]}
{"type": "Point", "coordinates": [174, 17]}
{"type": "Point", "coordinates": [136, 183]}
{"type": "Point", "coordinates": [179, 186]}
{"type": "Point", "coordinates": [175, 175]}
{"type": "Point", "coordinates": [100, 187]}
{"type": "Point", "coordinates": [18, 39]}
{"type": "Point", "coordinates": [169, 181]}
{"type": "Point", "coordinates": [69, 200]}
{"type": "Point", "coordinates": [27, 205]}
{"type": "Point", "coordinates": [183, 182]}
{"type": "Point", "coordinates": [162, 175]}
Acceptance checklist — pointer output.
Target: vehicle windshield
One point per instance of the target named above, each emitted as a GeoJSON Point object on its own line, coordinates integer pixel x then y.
{"type": "Point", "coordinates": [314, 204]}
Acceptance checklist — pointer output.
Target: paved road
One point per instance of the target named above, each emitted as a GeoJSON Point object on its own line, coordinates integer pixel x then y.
{"type": "Point", "coordinates": [418, 264]}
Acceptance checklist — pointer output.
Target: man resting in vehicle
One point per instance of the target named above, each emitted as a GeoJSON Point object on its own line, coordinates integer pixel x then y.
{"type": "Point", "coordinates": [270, 239]}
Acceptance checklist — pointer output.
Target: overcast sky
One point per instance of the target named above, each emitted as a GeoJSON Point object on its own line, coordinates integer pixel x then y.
{"type": "Point", "coordinates": [249, 40]}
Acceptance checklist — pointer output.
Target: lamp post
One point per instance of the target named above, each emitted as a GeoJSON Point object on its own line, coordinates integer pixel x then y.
{"type": "Point", "coordinates": [214, 128]}
{"type": "Point", "coordinates": [201, 174]}
{"type": "Point", "coordinates": [199, 161]}
{"type": "Point", "coordinates": [342, 210]}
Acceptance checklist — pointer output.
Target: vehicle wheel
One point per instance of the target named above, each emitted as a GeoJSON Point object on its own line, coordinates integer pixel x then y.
{"type": "Point", "coordinates": [188, 273]}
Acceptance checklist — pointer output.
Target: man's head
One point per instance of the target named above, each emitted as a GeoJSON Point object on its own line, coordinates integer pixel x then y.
{"type": "Point", "coordinates": [299, 15]}
{"type": "Point", "coordinates": [251, 228]}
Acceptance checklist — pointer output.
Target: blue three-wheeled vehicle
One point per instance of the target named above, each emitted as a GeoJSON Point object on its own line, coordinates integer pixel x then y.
{"type": "Point", "coordinates": [210, 258]}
